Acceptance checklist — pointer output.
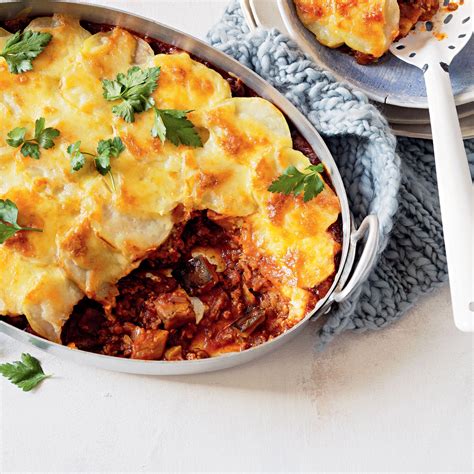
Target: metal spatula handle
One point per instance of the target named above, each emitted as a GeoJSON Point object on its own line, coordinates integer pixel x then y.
{"type": "Point", "coordinates": [455, 192]}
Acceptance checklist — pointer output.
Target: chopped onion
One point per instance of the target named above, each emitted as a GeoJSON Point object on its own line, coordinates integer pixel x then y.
{"type": "Point", "coordinates": [199, 308]}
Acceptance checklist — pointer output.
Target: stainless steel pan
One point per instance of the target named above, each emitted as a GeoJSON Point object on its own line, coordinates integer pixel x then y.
{"type": "Point", "coordinates": [349, 275]}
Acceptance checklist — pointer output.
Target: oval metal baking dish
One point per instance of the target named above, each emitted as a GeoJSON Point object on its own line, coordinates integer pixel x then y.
{"type": "Point", "coordinates": [348, 275]}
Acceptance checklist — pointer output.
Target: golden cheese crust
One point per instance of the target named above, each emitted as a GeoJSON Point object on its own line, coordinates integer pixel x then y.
{"type": "Point", "coordinates": [367, 26]}
{"type": "Point", "coordinates": [91, 237]}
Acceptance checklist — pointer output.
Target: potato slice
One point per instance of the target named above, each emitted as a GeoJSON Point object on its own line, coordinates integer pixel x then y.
{"type": "Point", "coordinates": [68, 37]}
{"type": "Point", "coordinates": [101, 56]}
{"type": "Point", "coordinates": [187, 84]}
{"type": "Point", "coordinates": [43, 294]}
{"type": "Point", "coordinates": [93, 264]}
{"type": "Point", "coordinates": [368, 26]}
{"type": "Point", "coordinates": [241, 129]}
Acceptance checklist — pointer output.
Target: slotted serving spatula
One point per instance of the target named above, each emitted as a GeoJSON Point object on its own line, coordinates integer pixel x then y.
{"type": "Point", "coordinates": [431, 47]}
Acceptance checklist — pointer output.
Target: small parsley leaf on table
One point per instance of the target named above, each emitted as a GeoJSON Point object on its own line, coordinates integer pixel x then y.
{"type": "Point", "coordinates": [21, 48]}
{"type": "Point", "coordinates": [25, 374]}
{"type": "Point", "coordinates": [174, 126]}
{"type": "Point", "coordinates": [43, 138]}
{"type": "Point", "coordinates": [8, 221]}
{"type": "Point", "coordinates": [134, 90]}
{"type": "Point", "coordinates": [293, 181]}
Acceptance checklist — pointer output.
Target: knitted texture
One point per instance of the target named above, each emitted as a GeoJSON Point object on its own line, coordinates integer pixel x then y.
{"type": "Point", "coordinates": [396, 182]}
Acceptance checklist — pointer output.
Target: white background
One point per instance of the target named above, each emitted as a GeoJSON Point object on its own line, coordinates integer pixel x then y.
{"type": "Point", "coordinates": [394, 400]}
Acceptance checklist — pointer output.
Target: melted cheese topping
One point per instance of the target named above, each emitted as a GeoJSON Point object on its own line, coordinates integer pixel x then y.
{"type": "Point", "coordinates": [91, 236]}
{"type": "Point", "coordinates": [368, 26]}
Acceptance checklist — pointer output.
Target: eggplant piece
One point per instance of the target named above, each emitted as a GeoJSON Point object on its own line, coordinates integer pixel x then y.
{"type": "Point", "coordinates": [197, 275]}
{"type": "Point", "coordinates": [174, 309]}
{"type": "Point", "coordinates": [148, 344]}
{"type": "Point", "coordinates": [251, 320]}
{"type": "Point", "coordinates": [174, 353]}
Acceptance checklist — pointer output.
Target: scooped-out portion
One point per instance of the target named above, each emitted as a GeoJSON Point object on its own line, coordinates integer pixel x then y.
{"type": "Point", "coordinates": [367, 27]}
{"type": "Point", "coordinates": [198, 295]}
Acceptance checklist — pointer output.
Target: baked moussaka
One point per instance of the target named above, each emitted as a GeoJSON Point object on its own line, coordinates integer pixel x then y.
{"type": "Point", "coordinates": [151, 206]}
{"type": "Point", "coordinates": [367, 27]}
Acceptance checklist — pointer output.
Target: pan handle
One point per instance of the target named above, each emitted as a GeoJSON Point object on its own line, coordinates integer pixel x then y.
{"type": "Point", "coordinates": [370, 228]}
{"type": "Point", "coordinates": [248, 14]}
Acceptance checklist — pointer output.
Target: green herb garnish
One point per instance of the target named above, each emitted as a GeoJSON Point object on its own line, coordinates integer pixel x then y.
{"type": "Point", "coordinates": [174, 126]}
{"type": "Point", "coordinates": [44, 138]}
{"type": "Point", "coordinates": [134, 90]}
{"type": "Point", "coordinates": [78, 160]}
{"type": "Point", "coordinates": [106, 149]}
{"type": "Point", "coordinates": [8, 221]}
{"type": "Point", "coordinates": [21, 48]}
{"type": "Point", "coordinates": [26, 374]}
{"type": "Point", "coordinates": [294, 181]}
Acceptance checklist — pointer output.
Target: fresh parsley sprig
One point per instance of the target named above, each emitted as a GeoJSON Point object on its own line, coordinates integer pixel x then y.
{"type": "Point", "coordinates": [134, 90]}
{"type": "Point", "coordinates": [174, 126]}
{"type": "Point", "coordinates": [21, 48]}
{"type": "Point", "coordinates": [43, 138]}
{"type": "Point", "coordinates": [293, 181]}
{"type": "Point", "coordinates": [106, 149]}
{"type": "Point", "coordinates": [8, 221]}
{"type": "Point", "coordinates": [25, 374]}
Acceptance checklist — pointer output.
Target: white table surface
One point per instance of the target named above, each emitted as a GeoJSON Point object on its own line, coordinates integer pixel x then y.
{"type": "Point", "coordinates": [394, 400]}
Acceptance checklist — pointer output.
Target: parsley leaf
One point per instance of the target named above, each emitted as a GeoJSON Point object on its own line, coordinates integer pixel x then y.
{"type": "Point", "coordinates": [159, 128]}
{"type": "Point", "coordinates": [8, 221]}
{"type": "Point", "coordinates": [294, 181]}
{"type": "Point", "coordinates": [112, 146]}
{"type": "Point", "coordinates": [106, 149]}
{"type": "Point", "coordinates": [16, 137]}
{"type": "Point", "coordinates": [31, 149]}
{"type": "Point", "coordinates": [126, 110]}
{"type": "Point", "coordinates": [26, 374]}
{"type": "Point", "coordinates": [134, 89]}
{"type": "Point", "coordinates": [102, 164]}
{"type": "Point", "coordinates": [22, 48]}
{"type": "Point", "coordinates": [8, 211]}
{"type": "Point", "coordinates": [175, 127]}
{"type": "Point", "coordinates": [44, 138]}
{"type": "Point", "coordinates": [78, 160]}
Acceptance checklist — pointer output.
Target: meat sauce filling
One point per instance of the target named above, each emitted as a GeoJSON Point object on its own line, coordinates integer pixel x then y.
{"type": "Point", "coordinates": [197, 295]}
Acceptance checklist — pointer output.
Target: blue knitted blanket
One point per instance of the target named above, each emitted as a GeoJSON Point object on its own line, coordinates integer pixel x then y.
{"type": "Point", "coordinates": [394, 179]}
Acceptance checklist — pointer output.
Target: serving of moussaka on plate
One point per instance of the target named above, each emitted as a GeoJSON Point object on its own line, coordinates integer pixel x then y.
{"type": "Point", "coordinates": [151, 206]}
{"type": "Point", "coordinates": [367, 27]}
